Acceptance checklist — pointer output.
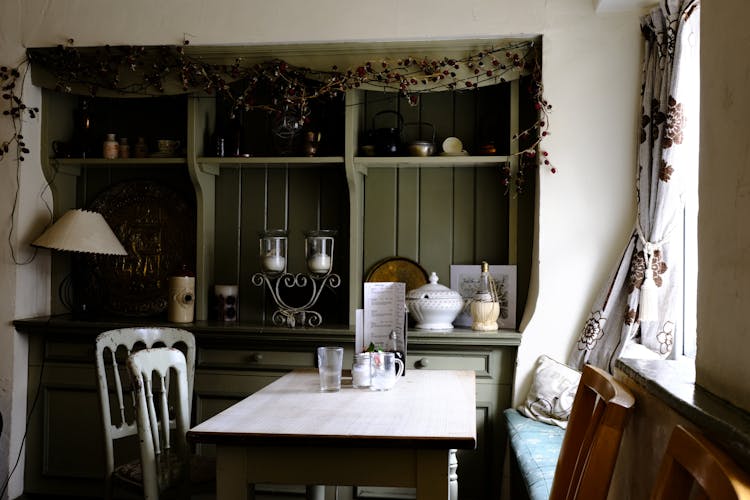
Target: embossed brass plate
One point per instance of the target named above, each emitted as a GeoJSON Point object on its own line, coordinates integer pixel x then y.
{"type": "Point", "coordinates": [156, 225]}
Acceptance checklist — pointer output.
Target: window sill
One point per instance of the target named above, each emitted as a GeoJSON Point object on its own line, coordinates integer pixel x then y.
{"type": "Point", "coordinates": [673, 382]}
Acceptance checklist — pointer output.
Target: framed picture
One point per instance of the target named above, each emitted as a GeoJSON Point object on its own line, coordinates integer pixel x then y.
{"type": "Point", "coordinates": [465, 280]}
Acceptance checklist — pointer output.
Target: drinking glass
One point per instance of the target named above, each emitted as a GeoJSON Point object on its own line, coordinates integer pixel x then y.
{"type": "Point", "coordinates": [330, 360]}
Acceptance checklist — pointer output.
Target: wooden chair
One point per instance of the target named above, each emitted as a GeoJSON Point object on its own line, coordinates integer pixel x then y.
{"type": "Point", "coordinates": [692, 460]}
{"type": "Point", "coordinates": [592, 439]}
{"type": "Point", "coordinates": [112, 350]}
{"type": "Point", "coordinates": [160, 388]}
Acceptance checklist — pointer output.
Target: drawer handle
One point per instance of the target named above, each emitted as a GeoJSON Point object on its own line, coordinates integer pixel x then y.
{"type": "Point", "coordinates": [422, 363]}
{"type": "Point", "coordinates": [256, 357]}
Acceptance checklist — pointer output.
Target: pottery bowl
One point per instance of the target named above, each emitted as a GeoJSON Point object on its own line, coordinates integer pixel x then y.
{"type": "Point", "coordinates": [434, 306]}
{"type": "Point", "coordinates": [421, 148]}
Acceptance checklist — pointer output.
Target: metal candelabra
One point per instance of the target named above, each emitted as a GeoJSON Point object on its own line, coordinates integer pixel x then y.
{"type": "Point", "coordinates": [319, 257]}
{"type": "Point", "coordinates": [290, 315]}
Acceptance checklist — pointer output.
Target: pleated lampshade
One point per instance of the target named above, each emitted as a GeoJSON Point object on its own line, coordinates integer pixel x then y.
{"type": "Point", "coordinates": [81, 231]}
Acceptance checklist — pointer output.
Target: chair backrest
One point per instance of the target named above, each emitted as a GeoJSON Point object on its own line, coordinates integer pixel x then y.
{"type": "Point", "coordinates": [690, 460]}
{"type": "Point", "coordinates": [164, 457]}
{"type": "Point", "coordinates": [112, 349]}
{"type": "Point", "coordinates": [592, 439]}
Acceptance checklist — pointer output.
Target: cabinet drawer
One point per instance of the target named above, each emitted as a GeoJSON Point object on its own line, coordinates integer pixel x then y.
{"type": "Point", "coordinates": [480, 362]}
{"type": "Point", "coordinates": [254, 359]}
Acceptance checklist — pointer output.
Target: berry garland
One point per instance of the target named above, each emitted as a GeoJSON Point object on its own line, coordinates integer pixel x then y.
{"type": "Point", "coordinates": [11, 83]}
{"type": "Point", "coordinates": [280, 88]}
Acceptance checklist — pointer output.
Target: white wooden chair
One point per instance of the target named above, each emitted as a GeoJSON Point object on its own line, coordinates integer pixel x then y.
{"type": "Point", "coordinates": [112, 350]}
{"type": "Point", "coordinates": [160, 388]}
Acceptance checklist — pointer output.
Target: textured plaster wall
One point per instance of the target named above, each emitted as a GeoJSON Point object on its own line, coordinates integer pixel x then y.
{"type": "Point", "coordinates": [591, 75]}
{"type": "Point", "coordinates": [724, 235]}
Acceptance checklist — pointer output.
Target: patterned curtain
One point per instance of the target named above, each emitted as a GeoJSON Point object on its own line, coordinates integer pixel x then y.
{"type": "Point", "coordinates": [619, 325]}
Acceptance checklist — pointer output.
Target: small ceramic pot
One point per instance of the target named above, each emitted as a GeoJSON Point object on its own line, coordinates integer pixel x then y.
{"type": "Point", "coordinates": [434, 306]}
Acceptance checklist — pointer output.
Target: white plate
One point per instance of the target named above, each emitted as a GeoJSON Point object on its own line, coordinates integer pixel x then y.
{"type": "Point", "coordinates": [453, 145]}
{"type": "Point", "coordinates": [460, 153]}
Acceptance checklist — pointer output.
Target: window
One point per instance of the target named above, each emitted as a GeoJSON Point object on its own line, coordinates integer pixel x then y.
{"type": "Point", "coordinates": [689, 80]}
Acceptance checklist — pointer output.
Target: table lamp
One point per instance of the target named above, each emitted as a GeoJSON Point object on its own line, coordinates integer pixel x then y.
{"type": "Point", "coordinates": [80, 231]}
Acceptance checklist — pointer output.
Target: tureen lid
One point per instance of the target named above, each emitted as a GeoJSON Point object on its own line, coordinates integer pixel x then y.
{"type": "Point", "coordinates": [433, 290]}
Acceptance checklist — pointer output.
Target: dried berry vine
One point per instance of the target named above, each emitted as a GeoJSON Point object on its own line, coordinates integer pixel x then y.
{"type": "Point", "coordinates": [530, 155]}
{"type": "Point", "coordinates": [11, 84]}
{"type": "Point", "coordinates": [283, 89]}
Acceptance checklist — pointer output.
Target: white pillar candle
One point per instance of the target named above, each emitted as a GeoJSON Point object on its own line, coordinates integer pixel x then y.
{"type": "Point", "coordinates": [319, 263]}
{"type": "Point", "coordinates": [226, 290]}
{"type": "Point", "coordinates": [274, 263]}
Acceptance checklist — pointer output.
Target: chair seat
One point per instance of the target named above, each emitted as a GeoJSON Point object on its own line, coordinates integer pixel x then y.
{"type": "Point", "coordinates": [202, 472]}
{"type": "Point", "coordinates": [536, 446]}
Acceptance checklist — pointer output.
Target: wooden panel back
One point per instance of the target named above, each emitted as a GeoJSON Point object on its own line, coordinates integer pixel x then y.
{"type": "Point", "coordinates": [691, 460]}
{"type": "Point", "coordinates": [592, 439]}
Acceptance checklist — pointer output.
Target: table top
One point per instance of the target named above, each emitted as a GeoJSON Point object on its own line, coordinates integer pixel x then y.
{"type": "Point", "coordinates": [425, 409]}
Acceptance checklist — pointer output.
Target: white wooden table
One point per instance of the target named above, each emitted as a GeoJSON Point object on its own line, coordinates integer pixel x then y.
{"type": "Point", "coordinates": [291, 433]}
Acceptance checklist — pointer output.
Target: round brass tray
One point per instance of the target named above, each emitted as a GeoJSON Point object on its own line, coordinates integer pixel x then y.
{"type": "Point", "coordinates": [399, 269]}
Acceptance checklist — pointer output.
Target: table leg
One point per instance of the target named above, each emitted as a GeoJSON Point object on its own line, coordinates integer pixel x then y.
{"type": "Point", "coordinates": [315, 492]}
{"type": "Point", "coordinates": [231, 478]}
{"type": "Point", "coordinates": [432, 475]}
{"type": "Point", "coordinates": [453, 474]}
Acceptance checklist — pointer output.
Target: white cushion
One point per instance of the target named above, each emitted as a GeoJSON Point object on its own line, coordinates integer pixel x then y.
{"type": "Point", "coordinates": [552, 392]}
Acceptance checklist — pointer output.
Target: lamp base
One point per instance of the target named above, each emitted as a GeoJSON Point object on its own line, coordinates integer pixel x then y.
{"type": "Point", "coordinates": [81, 294]}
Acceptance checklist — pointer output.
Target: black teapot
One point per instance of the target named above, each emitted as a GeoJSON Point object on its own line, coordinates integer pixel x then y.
{"type": "Point", "coordinates": [387, 140]}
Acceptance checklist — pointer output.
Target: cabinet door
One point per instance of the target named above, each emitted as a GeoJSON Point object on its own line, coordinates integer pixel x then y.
{"type": "Point", "coordinates": [65, 444]}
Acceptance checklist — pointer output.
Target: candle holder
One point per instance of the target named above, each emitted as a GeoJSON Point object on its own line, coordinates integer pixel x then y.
{"type": "Point", "coordinates": [273, 259]}
{"type": "Point", "coordinates": [273, 251]}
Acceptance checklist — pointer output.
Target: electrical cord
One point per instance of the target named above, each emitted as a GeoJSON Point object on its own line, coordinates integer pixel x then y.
{"type": "Point", "coordinates": [28, 419]}
{"type": "Point", "coordinates": [19, 161]}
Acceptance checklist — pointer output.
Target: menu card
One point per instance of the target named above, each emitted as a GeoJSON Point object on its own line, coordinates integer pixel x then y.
{"type": "Point", "coordinates": [384, 312]}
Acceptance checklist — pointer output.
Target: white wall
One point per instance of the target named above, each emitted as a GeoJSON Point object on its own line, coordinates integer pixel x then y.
{"type": "Point", "coordinates": [591, 77]}
{"type": "Point", "coordinates": [724, 247]}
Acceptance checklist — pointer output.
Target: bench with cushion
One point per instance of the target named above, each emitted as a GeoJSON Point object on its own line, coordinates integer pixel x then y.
{"type": "Point", "coordinates": [575, 463]}
{"type": "Point", "coordinates": [534, 448]}
{"type": "Point", "coordinates": [537, 427]}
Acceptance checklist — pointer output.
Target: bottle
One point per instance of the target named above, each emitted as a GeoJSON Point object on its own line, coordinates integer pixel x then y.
{"type": "Point", "coordinates": [141, 149]}
{"type": "Point", "coordinates": [394, 348]}
{"type": "Point", "coordinates": [218, 140]}
{"type": "Point", "coordinates": [110, 148]}
{"type": "Point", "coordinates": [234, 141]}
{"type": "Point", "coordinates": [485, 307]}
{"type": "Point", "coordinates": [483, 290]}
{"type": "Point", "coordinates": [84, 142]}
{"type": "Point", "coordinates": [310, 145]}
{"type": "Point", "coordinates": [124, 148]}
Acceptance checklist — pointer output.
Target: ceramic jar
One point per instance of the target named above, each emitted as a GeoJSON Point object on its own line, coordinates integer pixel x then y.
{"type": "Point", "coordinates": [181, 306]}
{"type": "Point", "coordinates": [434, 306]}
{"type": "Point", "coordinates": [361, 370]}
{"type": "Point", "coordinates": [110, 147]}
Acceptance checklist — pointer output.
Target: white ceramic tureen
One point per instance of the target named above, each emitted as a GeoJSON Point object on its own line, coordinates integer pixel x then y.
{"type": "Point", "coordinates": [434, 306]}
